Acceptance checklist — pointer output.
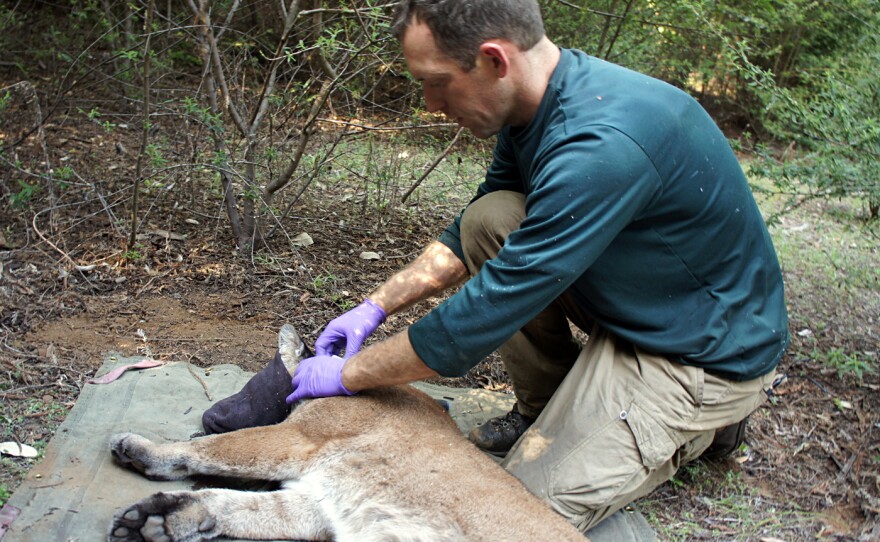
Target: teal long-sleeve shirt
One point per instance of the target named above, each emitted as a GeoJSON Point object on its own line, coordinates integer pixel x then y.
{"type": "Point", "coordinates": [636, 203]}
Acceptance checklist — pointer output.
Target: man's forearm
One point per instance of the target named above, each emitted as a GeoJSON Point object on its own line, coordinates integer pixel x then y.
{"type": "Point", "coordinates": [435, 270]}
{"type": "Point", "coordinates": [387, 363]}
{"type": "Point", "coordinates": [394, 361]}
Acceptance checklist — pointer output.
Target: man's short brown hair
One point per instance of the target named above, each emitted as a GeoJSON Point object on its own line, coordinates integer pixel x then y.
{"type": "Point", "coordinates": [461, 26]}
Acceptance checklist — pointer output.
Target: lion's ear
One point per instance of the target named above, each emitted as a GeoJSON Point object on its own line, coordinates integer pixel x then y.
{"type": "Point", "coordinates": [290, 346]}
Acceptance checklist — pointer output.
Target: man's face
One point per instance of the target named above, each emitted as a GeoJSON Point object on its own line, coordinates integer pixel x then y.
{"type": "Point", "coordinates": [475, 99]}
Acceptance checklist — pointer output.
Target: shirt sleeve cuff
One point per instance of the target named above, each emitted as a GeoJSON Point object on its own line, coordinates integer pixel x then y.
{"type": "Point", "coordinates": [436, 347]}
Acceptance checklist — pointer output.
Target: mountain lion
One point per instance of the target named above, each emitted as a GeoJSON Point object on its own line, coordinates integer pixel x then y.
{"type": "Point", "coordinates": [384, 465]}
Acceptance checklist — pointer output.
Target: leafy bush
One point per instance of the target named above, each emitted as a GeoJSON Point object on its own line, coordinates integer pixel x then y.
{"type": "Point", "coordinates": [801, 75]}
{"type": "Point", "coordinates": [832, 121]}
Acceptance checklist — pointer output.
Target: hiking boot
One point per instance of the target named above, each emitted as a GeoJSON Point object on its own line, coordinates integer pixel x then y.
{"type": "Point", "coordinates": [261, 402]}
{"type": "Point", "coordinates": [499, 434]}
{"type": "Point", "coordinates": [727, 440]}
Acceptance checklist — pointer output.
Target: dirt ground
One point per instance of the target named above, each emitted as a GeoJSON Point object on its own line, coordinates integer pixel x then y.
{"type": "Point", "coordinates": [810, 470]}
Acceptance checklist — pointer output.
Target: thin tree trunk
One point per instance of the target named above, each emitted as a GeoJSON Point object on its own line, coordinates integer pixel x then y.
{"type": "Point", "coordinates": [145, 131]}
{"type": "Point", "coordinates": [220, 150]}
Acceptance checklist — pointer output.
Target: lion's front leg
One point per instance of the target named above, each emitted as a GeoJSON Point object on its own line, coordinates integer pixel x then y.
{"type": "Point", "coordinates": [191, 516]}
{"type": "Point", "coordinates": [155, 461]}
{"type": "Point", "coordinates": [276, 453]}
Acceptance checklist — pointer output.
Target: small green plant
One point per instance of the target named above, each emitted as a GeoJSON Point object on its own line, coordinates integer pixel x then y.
{"type": "Point", "coordinates": [203, 114]}
{"type": "Point", "coordinates": [133, 255]}
{"type": "Point", "coordinates": [264, 260]}
{"type": "Point", "coordinates": [26, 193]}
{"type": "Point", "coordinates": [155, 156]}
{"type": "Point", "coordinates": [7, 424]}
{"type": "Point", "coordinates": [64, 174]}
{"type": "Point", "coordinates": [854, 364]}
{"type": "Point", "coordinates": [94, 115]}
{"type": "Point", "coordinates": [5, 494]}
{"type": "Point", "coordinates": [252, 192]}
{"type": "Point", "coordinates": [342, 303]}
{"type": "Point", "coordinates": [5, 98]}
{"type": "Point", "coordinates": [322, 283]}
{"type": "Point", "coordinates": [151, 184]}
{"type": "Point", "coordinates": [326, 286]}
{"type": "Point", "coordinates": [34, 405]}
{"type": "Point", "coordinates": [131, 55]}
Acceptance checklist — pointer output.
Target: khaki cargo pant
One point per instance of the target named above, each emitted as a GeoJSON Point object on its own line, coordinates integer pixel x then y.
{"type": "Point", "coordinates": [614, 421]}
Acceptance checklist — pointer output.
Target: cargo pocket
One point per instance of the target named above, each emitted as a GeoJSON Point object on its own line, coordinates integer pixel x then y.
{"type": "Point", "coordinates": [614, 460]}
{"type": "Point", "coordinates": [655, 445]}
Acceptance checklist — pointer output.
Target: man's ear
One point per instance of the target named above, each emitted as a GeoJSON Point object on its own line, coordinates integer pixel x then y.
{"type": "Point", "coordinates": [495, 56]}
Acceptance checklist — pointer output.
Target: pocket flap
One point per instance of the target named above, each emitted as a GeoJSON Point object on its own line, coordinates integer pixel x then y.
{"type": "Point", "coordinates": [655, 445]}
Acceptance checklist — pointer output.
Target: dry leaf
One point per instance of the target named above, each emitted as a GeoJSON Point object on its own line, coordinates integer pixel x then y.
{"type": "Point", "coordinates": [370, 256]}
{"type": "Point", "coordinates": [165, 234]}
{"type": "Point", "coordinates": [302, 240]}
{"type": "Point", "coordinates": [18, 450]}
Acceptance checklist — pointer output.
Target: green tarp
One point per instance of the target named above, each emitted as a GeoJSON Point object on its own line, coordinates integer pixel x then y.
{"type": "Point", "coordinates": [71, 495]}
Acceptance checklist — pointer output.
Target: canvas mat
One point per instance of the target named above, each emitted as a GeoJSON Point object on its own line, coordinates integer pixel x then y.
{"type": "Point", "coordinates": [72, 494]}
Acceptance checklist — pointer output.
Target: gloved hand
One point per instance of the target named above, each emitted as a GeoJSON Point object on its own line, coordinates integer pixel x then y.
{"type": "Point", "coordinates": [320, 376]}
{"type": "Point", "coordinates": [349, 331]}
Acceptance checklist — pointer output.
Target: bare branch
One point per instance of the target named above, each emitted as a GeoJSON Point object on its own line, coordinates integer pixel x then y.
{"type": "Point", "coordinates": [202, 13]}
{"type": "Point", "coordinates": [433, 165]}
{"type": "Point", "coordinates": [269, 84]}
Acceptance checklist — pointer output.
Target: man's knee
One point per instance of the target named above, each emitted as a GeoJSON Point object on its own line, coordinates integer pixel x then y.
{"type": "Point", "coordinates": [605, 472]}
{"type": "Point", "coordinates": [487, 222]}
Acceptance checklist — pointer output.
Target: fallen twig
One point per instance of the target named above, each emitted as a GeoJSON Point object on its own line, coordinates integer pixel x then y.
{"type": "Point", "coordinates": [202, 382]}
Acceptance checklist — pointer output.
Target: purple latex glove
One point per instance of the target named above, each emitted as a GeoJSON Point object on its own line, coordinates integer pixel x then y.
{"type": "Point", "coordinates": [320, 376]}
{"type": "Point", "coordinates": [349, 331]}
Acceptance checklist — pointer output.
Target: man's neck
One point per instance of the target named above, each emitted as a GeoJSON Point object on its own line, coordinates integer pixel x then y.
{"type": "Point", "coordinates": [535, 68]}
